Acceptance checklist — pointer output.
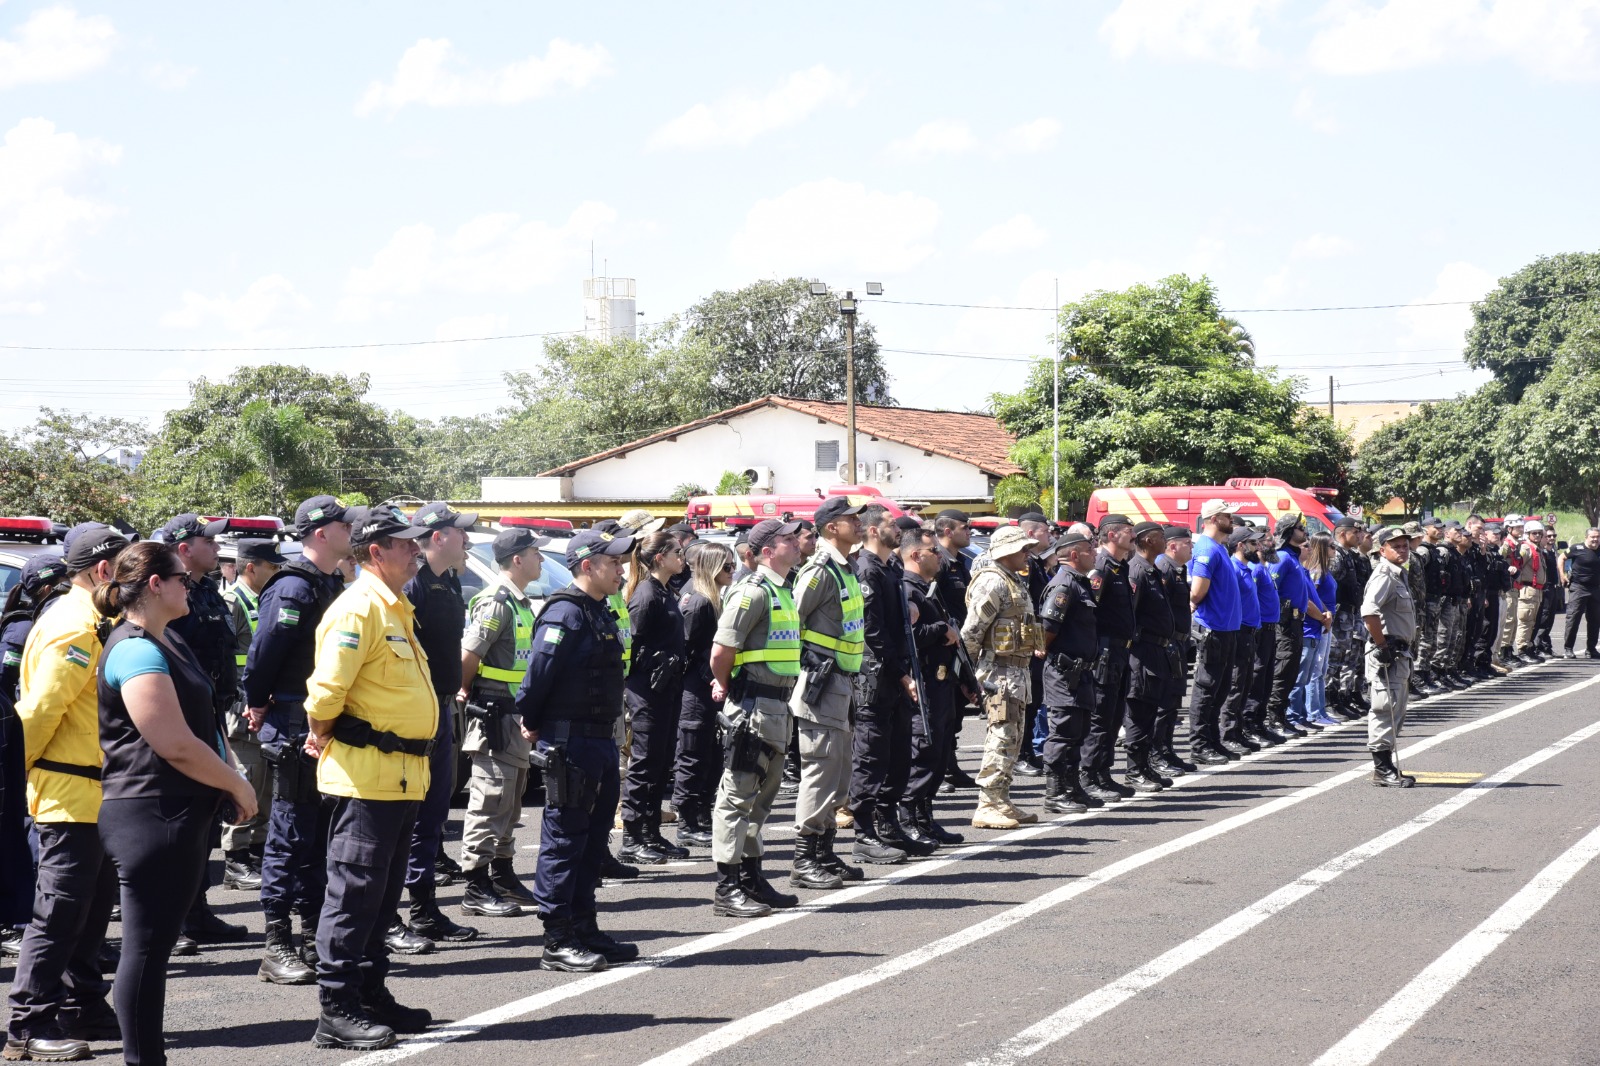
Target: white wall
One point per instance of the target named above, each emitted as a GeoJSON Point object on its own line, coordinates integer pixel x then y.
{"type": "Point", "coordinates": [783, 440]}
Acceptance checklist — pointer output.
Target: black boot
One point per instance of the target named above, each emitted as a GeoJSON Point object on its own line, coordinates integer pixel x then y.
{"type": "Point", "coordinates": [347, 1025]}
{"type": "Point", "coordinates": [959, 778]}
{"type": "Point", "coordinates": [503, 876]}
{"type": "Point", "coordinates": [308, 940]}
{"type": "Point", "coordinates": [637, 846]}
{"type": "Point", "coordinates": [280, 964]}
{"type": "Point", "coordinates": [1165, 765]}
{"type": "Point", "coordinates": [446, 871]}
{"type": "Point", "coordinates": [237, 872]}
{"type": "Point", "coordinates": [1384, 774]}
{"type": "Point", "coordinates": [690, 834]}
{"type": "Point", "coordinates": [403, 941]}
{"type": "Point", "coordinates": [652, 830]}
{"type": "Point", "coordinates": [930, 827]}
{"type": "Point", "coordinates": [565, 952]}
{"type": "Point", "coordinates": [381, 1007]}
{"type": "Point", "coordinates": [602, 943]}
{"type": "Point", "coordinates": [897, 834]}
{"type": "Point", "coordinates": [612, 869]}
{"type": "Point", "coordinates": [1138, 776]}
{"type": "Point", "coordinates": [760, 889]}
{"type": "Point", "coordinates": [427, 920]}
{"type": "Point", "coordinates": [869, 848]}
{"type": "Point", "coordinates": [808, 871]}
{"type": "Point", "coordinates": [1090, 783]}
{"type": "Point", "coordinates": [829, 860]}
{"type": "Point", "coordinates": [731, 900]}
{"type": "Point", "coordinates": [1057, 800]}
{"type": "Point", "coordinates": [203, 925]}
{"type": "Point", "coordinates": [1075, 791]}
{"type": "Point", "coordinates": [1105, 780]}
{"type": "Point", "coordinates": [484, 900]}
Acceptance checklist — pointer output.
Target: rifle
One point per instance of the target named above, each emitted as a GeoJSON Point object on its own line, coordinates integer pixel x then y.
{"type": "Point", "coordinates": [916, 664]}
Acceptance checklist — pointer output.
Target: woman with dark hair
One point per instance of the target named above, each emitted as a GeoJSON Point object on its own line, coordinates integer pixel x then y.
{"type": "Point", "coordinates": [1308, 699]}
{"type": "Point", "coordinates": [653, 690]}
{"type": "Point", "coordinates": [167, 768]}
{"type": "Point", "coordinates": [699, 762]}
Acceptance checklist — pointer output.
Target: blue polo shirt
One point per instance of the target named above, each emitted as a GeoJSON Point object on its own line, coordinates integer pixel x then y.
{"type": "Point", "coordinates": [1220, 609]}
{"type": "Point", "coordinates": [1266, 594]}
{"type": "Point", "coordinates": [1249, 606]}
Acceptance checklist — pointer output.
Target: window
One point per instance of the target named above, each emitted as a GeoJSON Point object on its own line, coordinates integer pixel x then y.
{"type": "Point", "coordinates": [828, 455]}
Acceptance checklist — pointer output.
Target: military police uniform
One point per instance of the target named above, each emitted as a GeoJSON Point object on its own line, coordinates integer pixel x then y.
{"type": "Point", "coordinates": [1149, 667]}
{"type": "Point", "coordinates": [1116, 627]}
{"type": "Point", "coordinates": [1072, 644]}
{"type": "Point", "coordinates": [1387, 598]}
{"type": "Point", "coordinates": [243, 843]}
{"type": "Point", "coordinates": [931, 741]}
{"type": "Point", "coordinates": [1175, 582]}
{"type": "Point", "coordinates": [1583, 598]}
{"type": "Point", "coordinates": [881, 741]}
{"type": "Point", "coordinates": [653, 694]}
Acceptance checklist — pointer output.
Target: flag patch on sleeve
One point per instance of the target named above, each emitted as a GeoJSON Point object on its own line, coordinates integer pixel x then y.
{"type": "Point", "coordinates": [289, 616]}
{"type": "Point", "coordinates": [553, 635]}
{"type": "Point", "coordinates": [12, 658]}
{"type": "Point", "coordinates": [347, 638]}
{"type": "Point", "coordinates": [77, 656]}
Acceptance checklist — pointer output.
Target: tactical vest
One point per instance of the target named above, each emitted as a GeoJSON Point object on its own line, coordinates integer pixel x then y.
{"type": "Point", "coordinates": [619, 611]}
{"type": "Point", "coordinates": [252, 607]}
{"type": "Point", "coordinates": [848, 648]}
{"type": "Point", "coordinates": [1015, 632]}
{"type": "Point", "coordinates": [589, 690]}
{"type": "Point", "coordinates": [524, 641]}
{"type": "Point", "coordinates": [782, 652]}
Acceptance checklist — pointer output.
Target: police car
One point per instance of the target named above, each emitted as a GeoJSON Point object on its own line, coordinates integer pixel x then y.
{"type": "Point", "coordinates": [19, 538]}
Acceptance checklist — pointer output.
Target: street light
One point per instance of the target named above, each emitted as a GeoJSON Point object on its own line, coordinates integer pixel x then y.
{"type": "Point", "coordinates": [847, 308]}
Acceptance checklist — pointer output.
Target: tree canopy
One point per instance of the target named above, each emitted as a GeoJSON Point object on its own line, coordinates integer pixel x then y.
{"type": "Point", "coordinates": [1439, 454]}
{"type": "Point", "coordinates": [63, 467]}
{"type": "Point", "coordinates": [1521, 327]}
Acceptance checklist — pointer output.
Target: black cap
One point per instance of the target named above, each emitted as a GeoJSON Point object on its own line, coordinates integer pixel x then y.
{"type": "Point", "coordinates": [442, 515]}
{"type": "Point", "coordinates": [71, 536]}
{"type": "Point", "coordinates": [805, 524]}
{"type": "Point", "coordinates": [385, 521]}
{"type": "Point", "coordinates": [742, 537]}
{"type": "Point", "coordinates": [514, 540]}
{"type": "Point", "coordinates": [189, 526]}
{"type": "Point", "coordinates": [907, 523]}
{"type": "Point", "coordinates": [1146, 527]}
{"type": "Point", "coordinates": [256, 550]}
{"type": "Point", "coordinates": [1071, 540]}
{"type": "Point", "coordinates": [1288, 523]}
{"type": "Point", "coordinates": [42, 568]}
{"type": "Point", "coordinates": [1346, 523]}
{"type": "Point", "coordinates": [610, 525]}
{"type": "Point", "coordinates": [832, 508]}
{"type": "Point", "coordinates": [1242, 535]}
{"type": "Point", "coordinates": [591, 542]}
{"type": "Point", "coordinates": [1178, 532]}
{"type": "Point", "coordinates": [1431, 521]}
{"type": "Point", "coordinates": [1033, 516]}
{"type": "Point", "coordinates": [955, 513]}
{"type": "Point", "coordinates": [769, 530]}
{"type": "Point", "coordinates": [318, 512]}
{"type": "Point", "coordinates": [1114, 520]}
{"type": "Point", "coordinates": [93, 544]}
{"type": "Point", "coordinates": [680, 529]}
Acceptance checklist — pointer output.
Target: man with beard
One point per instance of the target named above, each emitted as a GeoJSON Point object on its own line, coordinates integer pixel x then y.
{"type": "Point", "coordinates": [1214, 595]}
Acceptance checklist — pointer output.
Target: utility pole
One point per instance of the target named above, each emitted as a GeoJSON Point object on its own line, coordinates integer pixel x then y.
{"type": "Point", "coordinates": [1055, 451]}
{"type": "Point", "coordinates": [847, 308]}
{"type": "Point", "coordinates": [1330, 396]}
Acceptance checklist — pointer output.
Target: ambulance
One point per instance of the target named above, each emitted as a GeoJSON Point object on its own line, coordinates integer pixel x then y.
{"type": "Point", "coordinates": [1261, 501]}
{"type": "Point", "coordinates": [702, 512]}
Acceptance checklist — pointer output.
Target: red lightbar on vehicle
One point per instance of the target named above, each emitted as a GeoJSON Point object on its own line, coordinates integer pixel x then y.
{"type": "Point", "coordinates": [33, 526]}
{"type": "Point", "coordinates": [251, 525]}
{"type": "Point", "coordinates": [743, 521]}
{"type": "Point", "coordinates": [558, 524]}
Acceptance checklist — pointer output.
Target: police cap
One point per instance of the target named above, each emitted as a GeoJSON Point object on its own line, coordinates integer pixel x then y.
{"type": "Point", "coordinates": [1388, 533]}
{"type": "Point", "coordinates": [906, 523]}
{"type": "Point", "coordinates": [258, 550]}
{"type": "Point", "coordinates": [41, 569]}
{"type": "Point", "coordinates": [317, 512]}
{"type": "Point", "coordinates": [1111, 520]}
{"type": "Point", "coordinates": [514, 541]}
{"type": "Point", "coordinates": [833, 508]}
{"type": "Point", "coordinates": [591, 542]}
{"type": "Point", "coordinates": [769, 530]}
{"type": "Point", "coordinates": [1177, 533]}
{"type": "Point", "coordinates": [441, 515]}
{"type": "Point", "coordinates": [1347, 523]}
{"type": "Point", "coordinates": [385, 521]}
{"type": "Point", "coordinates": [1429, 522]}
{"type": "Point", "coordinates": [189, 526]}
{"type": "Point", "coordinates": [1034, 516]}
{"type": "Point", "coordinates": [1071, 540]}
{"type": "Point", "coordinates": [609, 525]}
{"type": "Point", "coordinates": [1412, 529]}
{"type": "Point", "coordinates": [955, 514]}
{"type": "Point", "coordinates": [1146, 527]}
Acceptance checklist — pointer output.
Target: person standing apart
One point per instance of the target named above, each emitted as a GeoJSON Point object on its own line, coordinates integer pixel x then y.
{"type": "Point", "coordinates": [1582, 579]}
{"type": "Point", "coordinates": [1391, 620]}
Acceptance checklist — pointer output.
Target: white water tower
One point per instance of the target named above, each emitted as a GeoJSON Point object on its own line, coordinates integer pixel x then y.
{"type": "Point", "coordinates": [609, 309]}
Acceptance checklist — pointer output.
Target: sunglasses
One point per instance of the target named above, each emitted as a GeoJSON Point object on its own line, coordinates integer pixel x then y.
{"type": "Point", "coordinates": [183, 576]}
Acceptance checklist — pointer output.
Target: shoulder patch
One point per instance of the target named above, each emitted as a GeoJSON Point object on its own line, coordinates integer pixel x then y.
{"type": "Point", "coordinates": [554, 634]}
{"type": "Point", "coordinates": [77, 656]}
{"type": "Point", "coordinates": [348, 638]}
{"type": "Point", "coordinates": [12, 657]}
{"type": "Point", "coordinates": [288, 616]}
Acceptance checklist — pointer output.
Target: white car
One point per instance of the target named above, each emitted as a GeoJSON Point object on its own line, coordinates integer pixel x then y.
{"type": "Point", "coordinates": [20, 538]}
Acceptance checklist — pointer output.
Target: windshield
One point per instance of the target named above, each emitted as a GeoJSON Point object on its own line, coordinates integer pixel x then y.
{"type": "Point", "coordinates": [553, 576]}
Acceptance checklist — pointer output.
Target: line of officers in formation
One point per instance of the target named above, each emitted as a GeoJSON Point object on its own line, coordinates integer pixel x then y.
{"type": "Point", "coordinates": [834, 663]}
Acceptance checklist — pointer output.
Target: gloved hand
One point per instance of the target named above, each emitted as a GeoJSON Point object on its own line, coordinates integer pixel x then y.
{"type": "Point", "coordinates": [1387, 654]}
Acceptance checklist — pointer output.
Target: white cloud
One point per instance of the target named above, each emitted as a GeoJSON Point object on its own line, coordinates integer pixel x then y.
{"type": "Point", "coordinates": [942, 136]}
{"type": "Point", "coordinates": [1445, 327]}
{"type": "Point", "coordinates": [169, 76]}
{"type": "Point", "coordinates": [55, 44]}
{"type": "Point", "coordinates": [1218, 31]}
{"type": "Point", "coordinates": [432, 73]}
{"type": "Point", "coordinates": [742, 116]}
{"type": "Point", "coordinates": [1030, 136]}
{"type": "Point", "coordinates": [22, 307]}
{"type": "Point", "coordinates": [40, 219]}
{"type": "Point", "coordinates": [1308, 112]}
{"type": "Point", "coordinates": [830, 225]}
{"type": "Point", "coordinates": [494, 253]}
{"type": "Point", "coordinates": [267, 302]}
{"type": "Point", "coordinates": [1556, 39]}
{"type": "Point", "coordinates": [1321, 246]}
{"type": "Point", "coordinates": [1015, 234]}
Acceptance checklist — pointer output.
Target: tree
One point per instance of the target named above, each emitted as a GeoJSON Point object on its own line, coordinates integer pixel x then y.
{"type": "Point", "coordinates": [1547, 449]}
{"type": "Point", "coordinates": [1441, 453]}
{"type": "Point", "coordinates": [1518, 328]}
{"type": "Point", "coordinates": [774, 337]}
{"type": "Point", "coordinates": [1158, 388]}
{"type": "Point", "coordinates": [733, 483]}
{"type": "Point", "coordinates": [64, 467]}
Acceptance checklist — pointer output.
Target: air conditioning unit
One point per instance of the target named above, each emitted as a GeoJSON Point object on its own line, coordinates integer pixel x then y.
{"type": "Point", "coordinates": [760, 478]}
{"type": "Point", "coordinates": [880, 470]}
{"type": "Point", "coordinates": [860, 477]}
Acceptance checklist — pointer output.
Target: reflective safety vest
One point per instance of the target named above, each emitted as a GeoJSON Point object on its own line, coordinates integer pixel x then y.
{"type": "Point", "coordinates": [523, 648]}
{"type": "Point", "coordinates": [252, 606]}
{"type": "Point", "coordinates": [782, 653]}
{"type": "Point", "coordinates": [619, 609]}
{"type": "Point", "coordinates": [847, 649]}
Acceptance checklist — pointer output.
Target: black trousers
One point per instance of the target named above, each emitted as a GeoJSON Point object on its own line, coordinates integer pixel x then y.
{"type": "Point", "coordinates": [573, 839]}
{"type": "Point", "coordinates": [881, 756]}
{"type": "Point", "coordinates": [71, 906]}
{"type": "Point", "coordinates": [369, 842]}
{"type": "Point", "coordinates": [157, 844]}
{"type": "Point", "coordinates": [427, 836]}
{"type": "Point", "coordinates": [1285, 666]}
{"type": "Point", "coordinates": [1584, 606]}
{"type": "Point", "coordinates": [1111, 696]}
{"type": "Point", "coordinates": [699, 763]}
{"type": "Point", "coordinates": [1483, 649]}
{"type": "Point", "coordinates": [930, 750]}
{"type": "Point", "coordinates": [1265, 654]}
{"type": "Point", "coordinates": [1166, 724]}
{"type": "Point", "coordinates": [1213, 669]}
{"type": "Point", "coordinates": [655, 740]}
{"type": "Point", "coordinates": [1242, 679]}
{"type": "Point", "coordinates": [1068, 725]}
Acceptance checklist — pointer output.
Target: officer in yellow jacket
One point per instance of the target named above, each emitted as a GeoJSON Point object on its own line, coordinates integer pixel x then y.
{"type": "Point", "coordinates": [373, 717]}
{"type": "Point", "coordinates": [58, 998]}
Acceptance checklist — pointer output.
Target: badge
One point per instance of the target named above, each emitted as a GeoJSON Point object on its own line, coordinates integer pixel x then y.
{"type": "Point", "coordinates": [942, 674]}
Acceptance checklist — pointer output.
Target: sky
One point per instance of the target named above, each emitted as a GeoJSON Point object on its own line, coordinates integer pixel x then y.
{"type": "Point", "coordinates": [210, 176]}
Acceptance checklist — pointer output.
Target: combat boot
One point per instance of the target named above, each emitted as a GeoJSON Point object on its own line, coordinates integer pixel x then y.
{"type": "Point", "coordinates": [808, 872]}
{"type": "Point", "coordinates": [347, 1025]}
{"type": "Point", "coordinates": [992, 812]}
{"type": "Point", "coordinates": [1167, 762]}
{"type": "Point", "coordinates": [203, 925]}
{"type": "Point", "coordinates": [1090, 784]}
{"type": "Point", "coordinates": [828, 859]}
{"type": "Point", "coordinates": [280, 964]}
{"type": "Point", "coordinates": [446, 871]}
{"type": "Point", "coordinates": [308, 939]}
{"type": "Point", "coordinates": [1056, 798]}
{"type": "Point", "coordinates": [930, 827]}
{"type": "Point", "coordinates": [870, 849]}
{"type": "Point", "coordinates": [563, 950]}
{"type": "Point", "coordinates": [758, 888]}
{"type": "Point", "coordinates": [484, 900]}
{"type": "Point", "coordinates": [652, 830]}
{"type": "Point", "coordinates": [503, 876]}
{"type": "Point", "coordinates": [237, 871]}
{"type": "Point", "coordinates": [427, 920]}
{"type": "Point", "coordinates": [1384, 774]}
{"type": "Point", "coordinates": [731, 900]}
{"type": "Point", "coordinates": [612, 869]}
{"type": "Point", "coordinates": [47, 1047]}
{"type": "Point", "coordinates": [602, 943]}
{"type": "Point", "coordinates": [381, 1007]}
{"type": "Point", "coordinates": [690, 834]}
{"type": "Point", "coordinates": [1138, 776]}
{"type": "Point", "coordinates": [1105, 780]}
{"type": "Point", "coordinates": [637, 846]}
{"type": "Point", "coordinates": [402, 941]}
{"type": "Point", "coordinates": [903, 834]}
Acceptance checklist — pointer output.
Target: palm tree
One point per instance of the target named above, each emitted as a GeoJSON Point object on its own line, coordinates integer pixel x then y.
{"type": "Point", "coordinates": [1245, 344]}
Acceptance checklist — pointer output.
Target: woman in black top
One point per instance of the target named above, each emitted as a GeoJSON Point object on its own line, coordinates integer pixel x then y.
{"type": "Point", "coordinates": [653, 691]}
{"type": "Point", "coordinates": [699, 763]}
{"type": "Point", "coordinates": [167, 768]}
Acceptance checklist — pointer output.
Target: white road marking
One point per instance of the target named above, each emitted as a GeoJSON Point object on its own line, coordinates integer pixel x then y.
{"type": "Point", "coordinates": [1081, 1012]}
{"type": "Point", "coordinates": [476, 1023]}
{"type": "Point", "coordinates": [1390, 1021]}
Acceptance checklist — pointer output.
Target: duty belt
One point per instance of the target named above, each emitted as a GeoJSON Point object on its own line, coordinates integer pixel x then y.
{"type": "Point", "coordinates": [1151, 638]}
{"type": "Point", "coordinates": [91, 772]}
{"type": "Point", "coordinates": [358, 733]}
{"type": "Point", "coordinates": [780, 693]}
{"type": "Point", "coordinates": [1013, 660]}
{"type": "Point", "coordinates": [566, 730]}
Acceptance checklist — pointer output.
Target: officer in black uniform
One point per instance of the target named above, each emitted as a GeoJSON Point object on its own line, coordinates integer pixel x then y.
{"type": "Point", "coordinates": [1116, 628]}
{"type": "Point", "coordinates": [1496, 583]}
{"type": "Point", "coordinates": [1149, 659]}
{"type": "Point", "coordinates": [955, 574]}
{"type": "Point", "coordinates": [208, 630]}
{"type": "Point", "coordinates": [1072, 645]}
{"type": "Point", "coordinates": [1477, 606]}
{"type": "Point", "coordinates": [686, 536]}
{"type": "Point", "coordinates": [570, 701]}
{"type": "Point", "coordinates": [43, 571]}
{"type": "Point", "coordinates": [1173, 565]}
{"type": "Point", "coordinates": [293, 863]}
{"type": "Point", "coordinates": [936, 641]}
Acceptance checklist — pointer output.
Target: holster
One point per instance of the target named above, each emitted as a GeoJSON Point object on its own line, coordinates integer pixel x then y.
{"type": "Point", "coordinates": [865, 684]}
{"type": "Point", "coordinates": [498, 718]}
{"type": "Point", "coordinates": [818, 669]}
{"type": "Point", "coordinates": [668, 672]}
{"type": "Point", "coordinates": [744, 750]}
{"type": "Point", "coordinates": [565, 785]}
{"type": "Point", "coordinates": [294, 773]}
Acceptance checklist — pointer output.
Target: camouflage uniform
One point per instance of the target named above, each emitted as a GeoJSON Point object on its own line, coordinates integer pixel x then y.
{"type": "Point", "coordinates": [1001, 634]}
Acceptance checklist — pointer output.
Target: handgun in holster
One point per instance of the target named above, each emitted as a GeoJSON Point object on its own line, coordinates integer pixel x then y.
{"type": "Point", "coordinates": [818, 669]}
{"type": "Point", "coordinates": [668, 671]}
{"type": "Point", "coordinates": [745, 751]}
{"type": "Point", "coordinates": [294, 773]}
{"type": "Point", "coordinates": [496, 718]}
{"type": "Point", "coordinates": [565, 785]}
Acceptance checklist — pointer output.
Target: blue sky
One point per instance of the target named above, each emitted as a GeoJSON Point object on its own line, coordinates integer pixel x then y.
{"type": "Point", "coordinates": [204, 175]}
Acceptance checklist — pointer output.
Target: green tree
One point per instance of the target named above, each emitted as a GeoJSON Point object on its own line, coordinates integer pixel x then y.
{"type": "Point", "coordinates": [1518, 329]}
{"type": "Point", "coordinates": [1441, 453]}
{"type": "Point", "coordinates": [64, 467]}
{"type": "Point", "coordinates": [733, 483]}
{"type": "Point", "coordinates": [1158, 388]}
{"type": "Point", "coordinates": [1547, 448]}
{"type": "Point", "coordinates": [774, 337]}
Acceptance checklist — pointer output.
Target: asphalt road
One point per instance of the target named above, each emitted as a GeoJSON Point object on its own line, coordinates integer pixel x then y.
{"type": "Point", "coordinates": [1278, 910]}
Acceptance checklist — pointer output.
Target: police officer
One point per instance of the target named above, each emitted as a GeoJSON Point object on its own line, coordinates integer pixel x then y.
{"type": "Point", "coordinates": [1149, 658]}
{"type": "Point", "coordinates": [570, 703]}
{"type": "Point", "coordinates": [1173, 565]}
{"type": "Point", "coordinates": [1072, 644]}
{"type": "Point", "coordinates": [373, 718]}
{"type": "Point", "coordinates": [1582, 580]}
{"type": "Point", "coordinates": [495, 652]}
{"type": "Point", "coordinates": [1496, 583]}
{"type": "Point", "coordinates": [1232, 723]}
{"type": "Point", "coordinates": [1041, 565]}
{"type": "Point", "coordinates": [293, 863]}
{"type": "Point", "coordinates": [242, 843]}
{"type": "Point", "coordinates": [1214, 595]}
{"type": "Point", "coordinates": [882, 738]}
{"type": "Point", "coordinates": [1457, 541]}
{"type": "Point", "coordinates": [831, 609]}
{"type": "Point", "coordinates": [699, 756]}
{"type": "Point", "coordinates": [1346, 570]}
{"type": "Point", "coordinates": [1477, 580]}
{"type": "Point", "coordinates": [57, 994]}
{"type": "Point", "coordinates": [935, 638]}
{"type": "Point", "coordinates": [1002, 636]}
{"type": "Point", "coordinates": [1116, 628]}
{"type": "Point", "coordinates": [955, 574]}
{"type": "Point", "coordinates": [40, 575]}
{"type": "Point", "coordinates": [755, 664]}
{"type": "Point", "coordinates": [686, 536]}
{"type": "Point", "coordinates": [1391, 620]}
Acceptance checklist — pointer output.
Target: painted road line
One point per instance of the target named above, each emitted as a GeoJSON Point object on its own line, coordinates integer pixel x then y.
{"type": "Point", "coordinates": [742, 1029]}
{"type": "Point", "coordinates": [1390, 1021]}
{"type": "Point", "coordinates": [1082, 1011]}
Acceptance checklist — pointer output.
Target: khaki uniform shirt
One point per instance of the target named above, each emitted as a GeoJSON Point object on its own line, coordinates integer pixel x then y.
{"type": "Point", "coordinates": [816, 601]}
{"type": "Point", "coordinates": [1388, 597]}
{"type": "Point", "coordinates": [492, 637]}
{"type": "Point", "coordinates": [743, 626]}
